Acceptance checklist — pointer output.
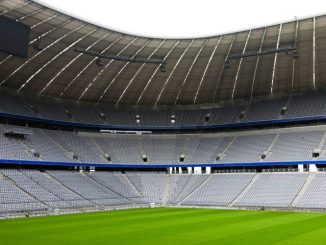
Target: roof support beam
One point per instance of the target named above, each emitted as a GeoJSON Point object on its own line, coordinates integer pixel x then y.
{"type": "Point", "coordinates": [156, 70]}
{"type": "Point", "coordinates": [121, 70]}
{"type": "Point", "coordinates": [102, 70]}
{"type": "Point", "coordinates": [275, 57]}
{"type": "Point", "coordinates": [222, 70]}
{"type": "Point", "coordinates": [206, 68]}
{"type": "Point", "coordinates": [137, 72]}
{"type": "Point", "coordinates": [16, 7]}
{"type": "Point", "coordinates": [239, 66]}
{"type": "Point", "coordinates": [257, 63]}
{"type": "Point", "coordinates": [133, 59]}
{"type": "Point", "coordinates": [293, 62]}
{"type": "Point", "coordinates": [45, 20]}
{"type": "Point", "coordinates": [51, 60]}
{"type": "Point", "coordinates": [85, 67]}
{"type": "Point", "coordinates": [189, 70]}
{"type": "Point", "coordinates": [268, 51]}
{"type": "Point", "coordinates": [30, 14]}
{"type": "Point", "coordinates": [314, 54]}
{"type": "Point", "coordinates": [5, 59]}
{"type": "Point", "coordinates": [71, 62]}
{"type": "Point", "coordinates": [171, 73]}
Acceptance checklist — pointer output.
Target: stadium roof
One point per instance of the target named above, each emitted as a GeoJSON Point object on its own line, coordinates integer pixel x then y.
{"type": "Point", "coordinates": [195, 70]}
{"type": "Point", "coordinates": [185, 18]}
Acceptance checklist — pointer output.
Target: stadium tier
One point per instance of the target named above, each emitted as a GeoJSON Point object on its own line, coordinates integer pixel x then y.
{"type": "Point", "coordinates": [306, 106]}
{"type": "Point", "coordinates": [269, 145]}
{"type": "Point", "coordinates": [33, 190]}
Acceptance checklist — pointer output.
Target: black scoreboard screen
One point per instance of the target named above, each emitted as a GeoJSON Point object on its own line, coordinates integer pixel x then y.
{"type": "Point", "coordinates": [14, 37]}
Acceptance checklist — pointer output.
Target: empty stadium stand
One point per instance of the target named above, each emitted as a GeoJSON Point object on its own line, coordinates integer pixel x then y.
{"type": "Point", "coordinates": [75, 136]}
{"type": "Point", "coordinates": [286, 144]}
{"type": "Point", "coordinates": [30, 190]}
{"type": "Point", "coordinates": [304, 105]}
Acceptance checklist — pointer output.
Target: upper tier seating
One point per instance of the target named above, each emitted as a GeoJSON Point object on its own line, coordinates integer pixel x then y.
{"type": "Point", "coordinates": [311, 103]}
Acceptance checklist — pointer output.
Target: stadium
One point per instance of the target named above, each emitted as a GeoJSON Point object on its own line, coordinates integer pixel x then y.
{"type": "Point", "coordinates": [112, 138]}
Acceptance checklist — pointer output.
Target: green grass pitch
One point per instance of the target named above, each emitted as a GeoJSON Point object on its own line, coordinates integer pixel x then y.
{"type": "Point", "coordinates": [168, 226]}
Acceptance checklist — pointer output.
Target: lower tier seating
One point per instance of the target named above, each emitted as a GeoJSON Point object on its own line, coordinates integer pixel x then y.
{"type": "Point", "coordinates": [30, 190]}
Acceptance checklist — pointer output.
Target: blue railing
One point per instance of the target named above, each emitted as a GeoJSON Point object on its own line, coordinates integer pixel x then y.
{"type": "Point", "coordinates": [152, 165]}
